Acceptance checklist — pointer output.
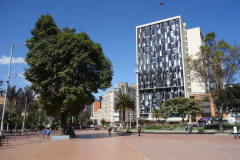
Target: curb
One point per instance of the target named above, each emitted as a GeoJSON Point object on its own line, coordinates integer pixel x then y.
{"type": "Point", "coordinates": [150, 132]}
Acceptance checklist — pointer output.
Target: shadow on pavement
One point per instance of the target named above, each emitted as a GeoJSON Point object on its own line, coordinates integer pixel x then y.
{"type": "Point", "coordinates": [101, 135]}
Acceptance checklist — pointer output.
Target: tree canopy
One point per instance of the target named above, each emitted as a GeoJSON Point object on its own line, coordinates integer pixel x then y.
{"type": "Point", "coordinates": [103, 122]}
{"type": "Point", "coordinates": [181, 107]}
{"type": "Point", "coordinates": [216, 67]}
{"type": "Point", "coordinates": [123, 103]}
{"type": "Point", "coordinates": [66, 68]}
{"type": "Point", "coordinates": [233, 99]}
{"type": "Point", "coordinates": [157, 113]}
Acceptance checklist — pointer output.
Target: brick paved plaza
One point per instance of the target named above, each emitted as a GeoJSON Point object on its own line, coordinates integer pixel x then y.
{"type": "Point", "coordinates": [100, 145]}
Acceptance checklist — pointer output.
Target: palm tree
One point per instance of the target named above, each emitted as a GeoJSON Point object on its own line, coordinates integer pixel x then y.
{"type": "Point", "coordinates": [1, 83]}
{"type": "Point", "coordinates": [124, 102]}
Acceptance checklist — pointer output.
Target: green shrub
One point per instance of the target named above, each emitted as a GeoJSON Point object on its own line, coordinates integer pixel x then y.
{"type": "Point", "coordinates": [216, 126]}
{"type": "Point", "coordinates": [53, 126]}
{"type": "Point", "coordinates": [40, 127]}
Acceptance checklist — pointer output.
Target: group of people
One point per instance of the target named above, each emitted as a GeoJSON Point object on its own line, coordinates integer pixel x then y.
{"type": "Point", "coordinates": [46, 132]}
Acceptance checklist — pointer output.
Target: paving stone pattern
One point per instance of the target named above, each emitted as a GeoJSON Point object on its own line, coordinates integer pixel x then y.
{"type": "Point", "coordinates": [90, 145]}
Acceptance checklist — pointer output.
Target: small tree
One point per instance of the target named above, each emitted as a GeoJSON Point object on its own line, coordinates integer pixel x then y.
{"type": "Point", "coordinates": [103, 122]}
{"type": "Point", "coordinates": [82, 118]}
{"type": "Point", "coordinates": [156, 113]}
{"type": "Point", "coordinates": [181, 107]}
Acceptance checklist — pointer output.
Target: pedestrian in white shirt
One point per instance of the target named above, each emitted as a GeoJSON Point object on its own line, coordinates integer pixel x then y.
{"type": "Point", "coordinates": [235, 131]}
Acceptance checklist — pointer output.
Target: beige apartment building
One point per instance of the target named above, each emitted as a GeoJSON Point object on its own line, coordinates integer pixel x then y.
{"type": "Point", "coordinates": [107, 106]}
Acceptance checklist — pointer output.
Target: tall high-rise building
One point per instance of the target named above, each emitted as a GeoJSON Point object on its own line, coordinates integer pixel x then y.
{"type": "Point", "coordinates": [161, 48]}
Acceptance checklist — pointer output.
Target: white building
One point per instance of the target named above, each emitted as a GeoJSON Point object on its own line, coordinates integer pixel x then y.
{"type": "Point", "coordinates": [194, 41]}
{"type": "Point", "coordinates": [107, 106]}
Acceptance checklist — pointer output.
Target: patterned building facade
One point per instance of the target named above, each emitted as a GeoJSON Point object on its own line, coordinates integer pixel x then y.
{"type": "Point", "coordinates": [160, 59]}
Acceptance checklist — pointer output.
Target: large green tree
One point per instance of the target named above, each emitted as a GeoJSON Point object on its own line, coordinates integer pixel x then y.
{"type": "Point", "coordinates": [123, 103]}
{"type": "Point", "coordinates": [66, 68]}
{"type": "Point", "coordinates": [216, 67]}
{"type": "Point", "coordinates": [181, 107]}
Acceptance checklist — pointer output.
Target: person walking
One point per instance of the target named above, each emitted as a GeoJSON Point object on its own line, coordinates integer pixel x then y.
{"type": "Point", "coordinates": [48, 132]}
{"type": "Point", "coordinates": [186, 129]}
{"type": "Point", "coordinates": [139, 130]}
{"type": "Point", "coordinates": [235, 131]}
{"type": "Point", "coordinates": [43, 132]}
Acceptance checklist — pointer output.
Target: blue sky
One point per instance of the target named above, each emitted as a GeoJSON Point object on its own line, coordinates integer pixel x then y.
{"type": "Point", "coordinates": [112, 24]}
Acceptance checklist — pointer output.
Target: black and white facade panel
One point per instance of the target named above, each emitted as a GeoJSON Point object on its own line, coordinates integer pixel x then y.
{"type": "Point", "coordinates": [160, 63]}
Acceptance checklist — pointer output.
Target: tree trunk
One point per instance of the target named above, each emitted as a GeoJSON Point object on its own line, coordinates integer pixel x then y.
{"type": "Point", "coordinates": [123, 119]}
{"type": "Point", "coordinates": [220, 117]}
{"type": "Point", "coordinates": [7, 126]}
{"type": "Point", "coordinates": [220, 122]}
{"type": "Point", "coordinates": [63, 119]}
{"type": "Point", "coordinates": [183, 119]}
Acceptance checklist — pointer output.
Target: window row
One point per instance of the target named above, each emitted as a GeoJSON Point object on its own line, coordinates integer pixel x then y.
{"type": "Point", "coordinates": [164, 32]}
{"type": "Point", "coordinates": [170, 23]}
{"type": "Point", "coordinates": [161, 83]}
{"type": "Point", "coordinates": [156, 51]}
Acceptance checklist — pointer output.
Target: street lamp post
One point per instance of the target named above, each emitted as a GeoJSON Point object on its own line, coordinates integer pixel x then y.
{"type": "Point", "coordinates": [136, 71]}
{"type": "Point", "coordinates": [7, 80]}
{"type": "Point", "coordinates": [24, 118]}
{"type": "Point", "coordinates": [93, 117]}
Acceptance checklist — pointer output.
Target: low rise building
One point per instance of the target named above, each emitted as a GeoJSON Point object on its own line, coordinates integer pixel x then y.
{"type": "Point", "coordinates": [208, 111]}
{"type": "Point", "coordinates": [106, 109]}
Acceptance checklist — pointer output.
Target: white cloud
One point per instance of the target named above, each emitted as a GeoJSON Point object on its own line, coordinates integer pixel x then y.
{"type": "Point", "coordinates": [23, 77]}
{"type": "Point", "coordinates": [5, 60]}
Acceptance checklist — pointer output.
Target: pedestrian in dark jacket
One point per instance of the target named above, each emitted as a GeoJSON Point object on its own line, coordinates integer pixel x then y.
{"type": "Point", "coordinates": [139, 130]}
